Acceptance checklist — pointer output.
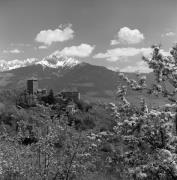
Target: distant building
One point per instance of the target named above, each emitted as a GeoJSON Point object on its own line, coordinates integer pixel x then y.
{"type": "Point", "coordinates": [71, 108]}
{"type": "Point", "coordinates": [42, 91]}
{"type": "Point", "coordinates": [71, 94]}
{"type": "Point", "coordinates": [32, 86]}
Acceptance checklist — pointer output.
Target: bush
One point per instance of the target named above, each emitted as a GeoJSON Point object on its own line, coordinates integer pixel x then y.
{"type": "Point", "coordinates": [49, 99]}
{"type": "Point", "coordinates": [83, 106]}
{"type": "Point", "coordinates": [82, 121]}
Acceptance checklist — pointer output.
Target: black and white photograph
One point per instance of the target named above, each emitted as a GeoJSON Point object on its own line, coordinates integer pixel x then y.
{"type": "Point", "coordinates": [88, 89]}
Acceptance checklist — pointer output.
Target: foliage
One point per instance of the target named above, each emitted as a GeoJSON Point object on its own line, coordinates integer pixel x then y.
{"type": "Point", "coordinates": [83, 106]}
{"type": "Point", "coordinates": [9, 96]}
{"type": "Point", "coordinates": [82, 121]}
{"type": "Point", "coordinates": [147, 137]}
{"type": "Point", "coordinates": [50, 98]}
{"type": "Point", "coordinates": [60, 151]}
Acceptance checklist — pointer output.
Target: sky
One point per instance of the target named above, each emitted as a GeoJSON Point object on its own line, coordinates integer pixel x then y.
{"type": "Point", "coordinates": [111, 33]}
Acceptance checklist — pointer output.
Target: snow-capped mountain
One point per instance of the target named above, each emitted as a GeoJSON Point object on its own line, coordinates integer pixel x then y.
{"type": "Point", "coordinates": [54, 60]}
{"type": "Point", "coordinates": [14, 64]}
{"type": "Point", "coordinates": [57, 60]}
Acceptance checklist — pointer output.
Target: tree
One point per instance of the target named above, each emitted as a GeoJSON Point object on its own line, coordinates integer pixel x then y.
{"type": "Point", "coordinates": [60, 152]}
{"type": "Point", "coordinates": [147, 139]}
{"type": "Point", "coordinates": [50, 97]}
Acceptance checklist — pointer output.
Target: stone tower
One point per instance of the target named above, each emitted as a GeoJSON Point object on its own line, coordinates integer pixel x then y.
{"type": "Point", "coordinates": [32, 85]}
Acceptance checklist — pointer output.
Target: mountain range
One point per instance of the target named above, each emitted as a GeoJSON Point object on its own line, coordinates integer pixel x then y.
{"type": "Point", "coordinates": [59, 72]}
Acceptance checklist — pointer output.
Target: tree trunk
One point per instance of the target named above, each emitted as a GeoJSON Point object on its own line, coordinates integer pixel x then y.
{"type": "Point", "coordinates": [176, 123]}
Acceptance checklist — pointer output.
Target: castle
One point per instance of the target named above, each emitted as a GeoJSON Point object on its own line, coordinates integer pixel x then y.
{"type": "Point", "coordinates": [32, 85]}
{"type": "Point", "coordinates": [33, 89]}
{"type": "Point", "coordinates": [71, 94]}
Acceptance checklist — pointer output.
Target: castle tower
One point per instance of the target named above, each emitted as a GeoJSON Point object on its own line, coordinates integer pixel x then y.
{"type": "Point", "coordinates": [32, 85]}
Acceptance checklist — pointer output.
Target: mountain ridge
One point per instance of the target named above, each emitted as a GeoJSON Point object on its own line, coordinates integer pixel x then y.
{"type": "Point", "coordinates": [53, 61]}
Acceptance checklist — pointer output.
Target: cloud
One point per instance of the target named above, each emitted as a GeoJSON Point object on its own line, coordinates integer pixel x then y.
{"type": "Point", "coordinates": [119, 53]}
{"type": "Point", "coordinates": [114, 42]}
{"type": "Point", "coordinates": [168, 34]}
{"type": "Point", "coordinates": [63, 33]}
{"type": "Point", "coordinates": [113, 68]}
{"type": "Point", "coordinates": [141, 67]}
{"type": "Point", "coordinates": [128, 36]}
{"type": "Point", "coordinates": [83, 50]}
{"type": "Point", "coordinates": [13, 64]}
{"type": "Point", "coordinates": [165, 53]}
{"type": "Point", "coordinates": [13, 51]}
{"type": "Point", "coordinates": [42, 47]}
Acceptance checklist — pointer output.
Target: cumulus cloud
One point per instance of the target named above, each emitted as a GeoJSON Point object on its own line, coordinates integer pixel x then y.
{"type": "Point", "coordinates": [168, 34]}
{"type": "Point", "coordinates": [140, 67]}
{"type": "Point", "coordinates": [62, 33]}
{"type": "Point", "coordinates": [42, 47]}
{"type": "Point", "coordinates": [13, 51]}
{"type": "Point", "coordinates": [83, 50]}
{"type": "Point", "coordinates": [114, 42]}
{"type": "Point", "coordinates": [119, 53]}
{"type": "Point", "coordinates": [128, 36]}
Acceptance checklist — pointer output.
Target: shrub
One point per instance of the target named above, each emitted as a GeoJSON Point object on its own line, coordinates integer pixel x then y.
{"type": "Point", "coordinates": [83, 106]}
